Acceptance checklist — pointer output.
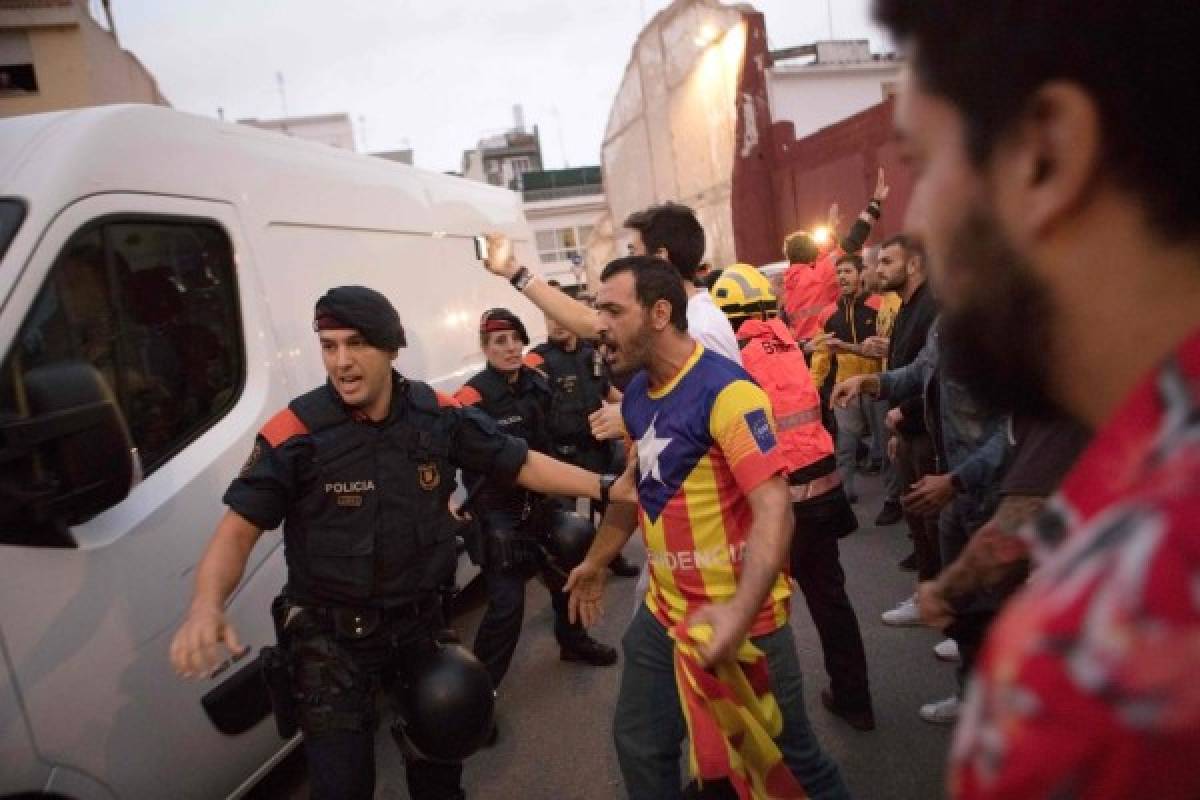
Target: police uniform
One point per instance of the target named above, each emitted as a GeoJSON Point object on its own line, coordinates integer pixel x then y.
{"type": "Point", "coordinates": [515, 521]}
{"type": "Point", "coordinates": [579, 384]}
{"type": "Point", "coordinates": [368, 542]}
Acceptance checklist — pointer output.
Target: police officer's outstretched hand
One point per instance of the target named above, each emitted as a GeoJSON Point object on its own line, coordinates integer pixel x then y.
{"type": "Point", "coordinates": [586, 587]}
{"type": "Point", "coordinates": [204, 642]}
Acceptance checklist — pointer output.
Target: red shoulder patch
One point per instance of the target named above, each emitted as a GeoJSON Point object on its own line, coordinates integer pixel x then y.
{"type": "Point", "coordinates": [534, 360]}
{"type": "Point", "coordinates": [446, 401]}
{"type": "Point", "coordinates": [468, 396]}
{"type": "Point", "coordinates": [281, 427]}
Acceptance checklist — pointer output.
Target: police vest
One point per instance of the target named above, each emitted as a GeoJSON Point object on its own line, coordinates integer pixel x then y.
{"type": "Point", "coordinates": [371, 527]}
{"type": "Point", "coordinates": [577, 392]}
{"type": "Point", "coordinates": [520, 410]}
{"type": "Point", "coordinates": [775, 361]}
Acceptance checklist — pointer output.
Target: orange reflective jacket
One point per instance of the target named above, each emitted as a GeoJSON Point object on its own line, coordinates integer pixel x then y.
{"type": "Point", "coordinates": [772, 357]}
{"type": "Point", "coordinates": [807, 290]}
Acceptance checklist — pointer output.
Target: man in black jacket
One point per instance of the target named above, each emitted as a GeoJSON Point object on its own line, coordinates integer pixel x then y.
{"type": "Point", "coordinates": [901, 269]}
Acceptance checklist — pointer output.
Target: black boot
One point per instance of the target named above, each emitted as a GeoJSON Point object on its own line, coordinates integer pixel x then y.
{"type": "Point", "coordinates": [587, 650]}
{"type": "Point", "coordinates": [890, 514]}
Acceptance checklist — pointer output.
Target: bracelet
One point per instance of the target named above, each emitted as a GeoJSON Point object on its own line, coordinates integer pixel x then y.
{"type": "Point", "coordinates": [521, 279]}
{"type": "Point", "coordinates": [875, 208]}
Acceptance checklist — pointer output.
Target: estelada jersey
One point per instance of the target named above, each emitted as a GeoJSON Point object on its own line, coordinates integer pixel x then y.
{"type": "Point", "coordinates": [703, 442]}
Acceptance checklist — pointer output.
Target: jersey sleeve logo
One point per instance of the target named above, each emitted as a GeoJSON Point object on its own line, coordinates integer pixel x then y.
{"type": "Point", "coordinates": [760, 429]}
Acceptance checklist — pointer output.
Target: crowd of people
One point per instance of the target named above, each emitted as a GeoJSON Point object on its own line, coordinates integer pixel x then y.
{"type": "Point", "coordinates": [1020, 366]}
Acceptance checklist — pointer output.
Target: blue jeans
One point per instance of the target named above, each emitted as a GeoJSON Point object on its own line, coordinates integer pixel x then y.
{"type": "Point", "coordinates": [852, 422]}
{"type": "Point", "coordinates": [649, 727]}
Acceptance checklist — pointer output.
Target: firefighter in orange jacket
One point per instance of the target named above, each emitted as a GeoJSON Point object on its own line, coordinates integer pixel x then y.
{"type": "Point", "coordinates": [810, 283]}
{"type": "Point", "coordinates": [819, 504]}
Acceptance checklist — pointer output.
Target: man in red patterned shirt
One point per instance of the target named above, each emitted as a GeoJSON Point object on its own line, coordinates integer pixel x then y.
{"type": "Point", "coordinates": [1057, 200]}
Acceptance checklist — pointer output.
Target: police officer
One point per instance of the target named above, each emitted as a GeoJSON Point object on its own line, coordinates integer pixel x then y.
{"type": "Point", "coordinates": [359, 472]}
{"type": "Point", "coordinates": [514, 520]}
{"type": "Point", "coordinates": [820, 507]}
{"type": "Point", "coordinates": [579, 385]}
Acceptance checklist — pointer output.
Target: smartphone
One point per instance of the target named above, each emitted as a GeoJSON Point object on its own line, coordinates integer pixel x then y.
{"type": "Point", "coordinates": [481, 248]}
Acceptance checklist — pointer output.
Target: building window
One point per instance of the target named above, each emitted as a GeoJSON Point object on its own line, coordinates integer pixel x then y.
{"type": "Point", "coordinates": [17, 75]}
{"type": "Point", "coordinates": [153, 306]}
{"type": "Point", "coordinates": [563, 244]}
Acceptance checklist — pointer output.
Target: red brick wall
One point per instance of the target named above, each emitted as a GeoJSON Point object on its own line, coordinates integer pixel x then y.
{"type": "Point", "coordinates": [801, 178]}
{"type": "Point", "coordinates": [751, 198]}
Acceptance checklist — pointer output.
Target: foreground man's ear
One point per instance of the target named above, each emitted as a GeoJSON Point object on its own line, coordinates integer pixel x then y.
{"type": "Point", "coordinates": [1049, 168]}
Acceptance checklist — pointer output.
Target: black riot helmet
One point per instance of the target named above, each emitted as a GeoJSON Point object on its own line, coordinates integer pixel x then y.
{"type": "Point", "coordinates": [444, 706]}
{"type": "Point", "coordinates": [570, 537]}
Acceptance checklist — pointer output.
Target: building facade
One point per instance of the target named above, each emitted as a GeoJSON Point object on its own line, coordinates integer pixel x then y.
{"type": "Point", "coordinates": [816, 85]}
{"type": "Point", "coordinates": [754, 140]}
{"type": "Point", "coordinates": [55, 56]}
{"type": "Point", "coordinates": [564, 207]}
{"type": "Point", "coordinates": [503, 159]}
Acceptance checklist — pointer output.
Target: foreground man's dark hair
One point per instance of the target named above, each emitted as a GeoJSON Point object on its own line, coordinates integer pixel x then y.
{"type": "Point", "coordinates": [1137, 60]}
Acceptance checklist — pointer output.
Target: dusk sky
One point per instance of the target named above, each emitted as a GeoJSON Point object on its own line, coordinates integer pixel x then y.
{"type": "Point", "coordinates": [434, 75]}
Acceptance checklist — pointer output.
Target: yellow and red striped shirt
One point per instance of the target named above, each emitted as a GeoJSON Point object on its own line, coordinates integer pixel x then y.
{"type": "Point", "coordinates": [704, 441]}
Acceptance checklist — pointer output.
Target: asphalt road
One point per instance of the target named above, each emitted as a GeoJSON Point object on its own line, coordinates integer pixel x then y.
{"type": "Point", "coordinates": [555, 718]}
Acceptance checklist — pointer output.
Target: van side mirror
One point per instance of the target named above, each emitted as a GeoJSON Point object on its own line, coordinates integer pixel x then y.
{"type": "Point", "coordinates": [73, 450]}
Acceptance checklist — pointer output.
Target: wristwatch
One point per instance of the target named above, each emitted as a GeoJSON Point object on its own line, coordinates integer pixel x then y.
{"type": "Point", "coordinates": [606, 482]}
{"type": "Point", "coordinates": [521, 279]}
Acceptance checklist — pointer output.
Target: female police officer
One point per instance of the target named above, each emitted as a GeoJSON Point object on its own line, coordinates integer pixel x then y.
{"type": "Point", "coordinates": [517, 397]}
{"type": "Point", "coordinates": [359, 472]}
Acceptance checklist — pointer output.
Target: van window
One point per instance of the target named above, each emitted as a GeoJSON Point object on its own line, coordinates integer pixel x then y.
{"type": "Point", "coordinates": [11, 213]}
{"type": "Point", "coordinates": [152, 304]}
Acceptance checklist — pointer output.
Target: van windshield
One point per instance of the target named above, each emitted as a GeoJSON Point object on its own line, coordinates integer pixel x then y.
{"type": "Point", "coordinates": [11, 213]}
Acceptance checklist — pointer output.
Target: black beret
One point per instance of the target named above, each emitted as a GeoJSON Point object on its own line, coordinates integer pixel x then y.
{"type": "Point", "coordinates": [365, 310]}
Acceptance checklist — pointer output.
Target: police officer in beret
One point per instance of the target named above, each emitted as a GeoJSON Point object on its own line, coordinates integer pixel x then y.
{"type": "Point", "coordinates": [579, 384]}
{"type": "Point", "coordinates": [359, 472]}
{"type": "Point", "coordinates": [515, 519]}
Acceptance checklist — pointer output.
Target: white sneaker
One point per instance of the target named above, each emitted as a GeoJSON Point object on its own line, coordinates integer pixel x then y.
{"type": "Point", "coordinates": [943, 712]}
{"type": "Point", "coordinates": [904, 614]}
{"type": "Point", "coordinates": [947, 650]}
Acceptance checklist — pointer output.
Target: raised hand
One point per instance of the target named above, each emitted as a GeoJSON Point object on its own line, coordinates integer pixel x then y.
{"type": "Point", "coordinates": [501, 260]}
{"type": "Point", "coordinates": [881, 187]}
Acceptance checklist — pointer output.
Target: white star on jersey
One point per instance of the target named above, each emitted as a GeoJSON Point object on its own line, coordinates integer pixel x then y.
{"type": "Point", "coordinates": [649, 448]}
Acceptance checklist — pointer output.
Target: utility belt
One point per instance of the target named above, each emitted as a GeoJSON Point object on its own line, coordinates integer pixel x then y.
{"type": "Point", "coordinates": [506, 549]}
{"type": "Point", "coordinates": [337, 622]}
{"type": "Point", "coordinates": [356, 623]}
{"type": "Point", "coordinates": [521, 542]}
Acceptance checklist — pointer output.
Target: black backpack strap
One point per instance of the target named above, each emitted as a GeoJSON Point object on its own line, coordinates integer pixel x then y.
{"type": "Point", "coordinates": [318, 409]}
{"type": "Point", "coordinates": [420, 436]}
{"type": "Point", "coordinates": [423, 397]}
{"type": "Point", "coordinates": [489, 385]}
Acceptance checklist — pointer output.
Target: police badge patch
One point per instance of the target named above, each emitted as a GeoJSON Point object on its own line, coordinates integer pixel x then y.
{"type": "Point", "coordinates": [428, 476]}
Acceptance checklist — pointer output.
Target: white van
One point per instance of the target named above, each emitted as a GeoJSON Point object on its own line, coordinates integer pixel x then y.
{"type": "Point", "coordinates": [173, 262]}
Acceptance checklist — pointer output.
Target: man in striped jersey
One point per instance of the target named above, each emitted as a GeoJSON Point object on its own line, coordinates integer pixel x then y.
{"type": "Point", "coordinates": [715, 514]}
